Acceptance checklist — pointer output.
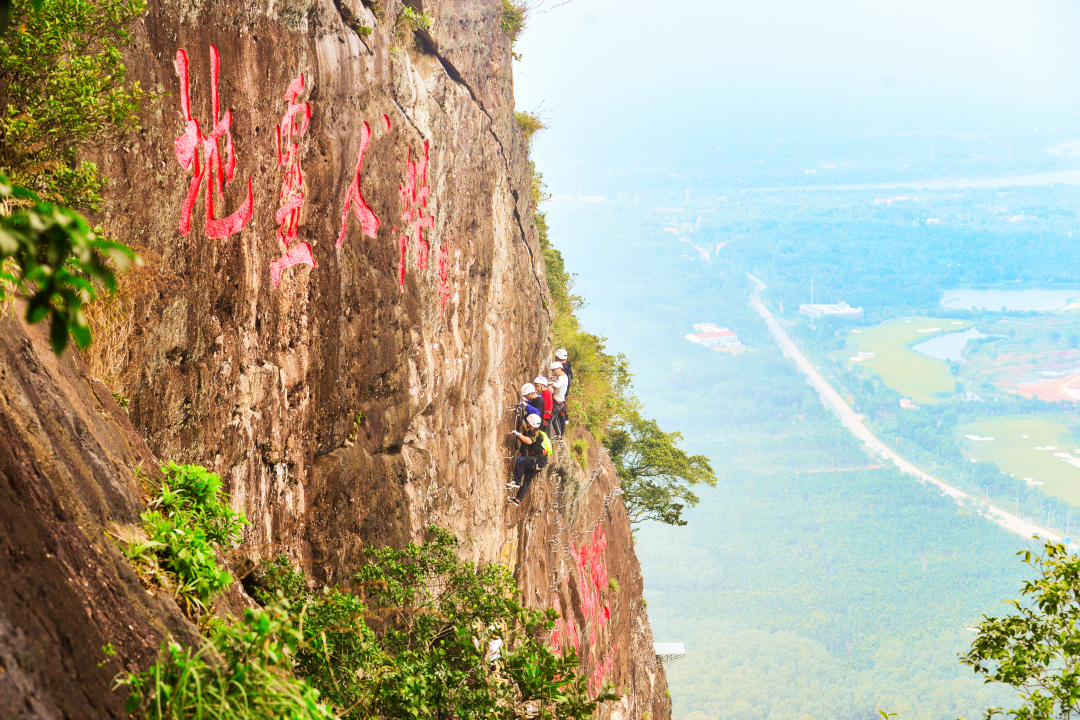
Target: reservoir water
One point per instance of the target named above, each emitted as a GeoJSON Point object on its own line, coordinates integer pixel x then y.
{"type": "Point", "coordinates": [1031, 299]}
{"type": "Point", "coordinates": [947, 346]}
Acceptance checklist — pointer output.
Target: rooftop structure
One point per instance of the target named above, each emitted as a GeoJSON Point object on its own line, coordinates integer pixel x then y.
{"type": "Point", "coordinates": [714, 337]}
{"type": "Point", "coordinates": [840, 309]}
{"type": "Point", "coordinates": [668, 653]}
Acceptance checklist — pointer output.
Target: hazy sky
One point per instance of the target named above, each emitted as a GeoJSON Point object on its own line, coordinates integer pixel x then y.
{"type": "Point", "coordinates": [1014, 50]}
{"type": "Point", "coordinates": [618, 66]}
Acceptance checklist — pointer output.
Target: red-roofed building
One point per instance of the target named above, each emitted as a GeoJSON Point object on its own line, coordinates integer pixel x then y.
{"type": "Point", "coordinates": [713, 336]}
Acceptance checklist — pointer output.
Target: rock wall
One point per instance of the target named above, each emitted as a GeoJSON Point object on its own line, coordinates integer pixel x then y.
{"type": "Point", "coordinates": [342, 292]}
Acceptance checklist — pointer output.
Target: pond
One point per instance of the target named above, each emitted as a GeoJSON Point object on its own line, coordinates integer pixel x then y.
{"type": "Point", "coordinates": [1031, 299]}
{"type": "Point", "coordinates": [947, 346]}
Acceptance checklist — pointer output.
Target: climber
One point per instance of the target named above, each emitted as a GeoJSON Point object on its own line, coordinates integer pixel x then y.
{"type": "Point", "coordinates": [536, 450]}
{"type": "Point", "coordinates": [494, 652]}
{"type": "Point", "coordinates": [531, 398]}
{"type": "Point", "coordinates": [558, 400]}
{"type": "Point", "coordinates": [542, 389]}
{"type": "Point", "coordinates": [562, 356]}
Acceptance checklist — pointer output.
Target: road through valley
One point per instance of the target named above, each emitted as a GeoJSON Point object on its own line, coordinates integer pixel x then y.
{"type": "Point", "coordinates": [854, 422]}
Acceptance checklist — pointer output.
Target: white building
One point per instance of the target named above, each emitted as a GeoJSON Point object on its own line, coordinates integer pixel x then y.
{"type": "Point", "coordinates": [714, 336]}
{"type": "Point", "coordinates": [840, 309]}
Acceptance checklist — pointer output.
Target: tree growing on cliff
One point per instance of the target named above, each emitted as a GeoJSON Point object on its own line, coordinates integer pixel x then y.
{"type": "Point", "coordinates": [1036, 649]}
{"type": "Point", "coordinates": [656, 476]}
{"type": "Point", "coordinates": [64, 89]}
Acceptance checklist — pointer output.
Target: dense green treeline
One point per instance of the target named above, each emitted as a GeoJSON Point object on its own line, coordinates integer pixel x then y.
{"type": "Point", "coordinates": [823, 582]}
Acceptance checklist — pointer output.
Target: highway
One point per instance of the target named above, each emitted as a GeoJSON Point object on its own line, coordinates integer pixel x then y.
{"type": "Point", "coordinates": [854, 422]}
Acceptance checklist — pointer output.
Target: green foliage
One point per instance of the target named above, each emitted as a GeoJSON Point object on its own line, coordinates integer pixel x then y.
{"type": "Point", "coordinates": [186, 524]}
{"type": "Point", "coordinates": [415, 642]}
{"type": "Point", "coordinates": [415, 21]}
{"type": "Point", "coordinates": [580, 448]}
{"type": "Point", "coordinates": [514, 15]}
{"type": "Point", "coordinates": [826, 594]}
{"type": "Point", "coordinates": [53, 259]}
{"type": "Point", "coordinates": [63, 88]}
{"type": "Point", "coordinates": [654, 473]}
{"type": "Point", "coordinates": [243, 670]}
{"type": "Point", "coordinates": [613, 585]}
{"type": "Point", "coordinates": [1036, 649]}
{"type": "Point", "coordinates": [530, 123]}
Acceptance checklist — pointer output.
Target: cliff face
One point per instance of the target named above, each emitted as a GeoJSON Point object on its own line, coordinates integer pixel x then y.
{"type": "Point", "coordinates": [342, 292]}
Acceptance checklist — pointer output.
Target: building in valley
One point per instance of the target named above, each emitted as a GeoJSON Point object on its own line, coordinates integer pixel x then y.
{"type": "Point", "coordinates": [840, 309]}
{"type": "Point", "coordinates": [714, 337]}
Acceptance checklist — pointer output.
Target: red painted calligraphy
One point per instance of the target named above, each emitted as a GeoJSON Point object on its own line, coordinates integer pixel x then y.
{"type": "Point", "coordinates": [414, 195]}
{"type": "Point", "coordinates": [217, 174]}
{"type": "Point", "coordinates": [287, 142]}
{"type": "Point", "coordinates": [600, 671]}
{"type": "Point", "coordinates": [354, 199]}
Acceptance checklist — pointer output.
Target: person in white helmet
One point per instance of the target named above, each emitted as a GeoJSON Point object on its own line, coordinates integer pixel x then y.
{"type": "Point", "coordinates": [544, 392]}
{"type": "Point", "coordinates": [559, 383]}
{"type": "Point", "coordinates": [535, 451]}
{"type": "Point", "coordinates": [531, 403]}
{"type": "Point", "coordinates": [562, 356]}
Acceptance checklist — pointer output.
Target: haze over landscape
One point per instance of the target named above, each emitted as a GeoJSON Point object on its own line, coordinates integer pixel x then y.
{"type": "Point", "coordinates": [920, 161]}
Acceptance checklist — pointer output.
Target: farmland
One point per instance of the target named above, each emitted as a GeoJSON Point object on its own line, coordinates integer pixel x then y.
{"type": "Point", "coordinates": [886, 350]}
{"type": "Point", "coordinates": [1038, 449]}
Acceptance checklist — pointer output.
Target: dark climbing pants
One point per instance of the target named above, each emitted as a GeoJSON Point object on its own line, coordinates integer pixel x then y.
{"type": "Point", "coordinates": [525, 470]}
{"type": "Point", "coordinates": [558, 418]}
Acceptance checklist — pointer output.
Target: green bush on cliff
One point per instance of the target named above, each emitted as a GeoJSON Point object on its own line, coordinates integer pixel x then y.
{"type": "Point", "coordinates": [412, 640]}
{"type": "Point", "coordinates": [64, 89]}
{"type": "Point", "coordinates": [187, 523]}
{"type": "Point", "coordinates": [242, 672]}
{"type": "Point", "coordinates": [514, 15]}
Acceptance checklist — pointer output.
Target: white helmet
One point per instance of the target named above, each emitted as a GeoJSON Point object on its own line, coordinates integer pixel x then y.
{"type": "Point", "coordinates": [541, 380]}
{"type": "Point", "coordinates": [527, 389]}
{"type": "Point", "coordinates": [560, 354]}
{"type": "Point", "coordinates": [533, 420]}
{"type": "Point", "coordinates": [556, 366]}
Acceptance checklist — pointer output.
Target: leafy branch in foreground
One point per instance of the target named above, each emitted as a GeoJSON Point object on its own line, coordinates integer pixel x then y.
{"type": "Point", "coordinates": [1036, 649]}
{"type": "Point", "coordinates": [654, 473]}
{"type": "Point", "coordinates": [51, 258]}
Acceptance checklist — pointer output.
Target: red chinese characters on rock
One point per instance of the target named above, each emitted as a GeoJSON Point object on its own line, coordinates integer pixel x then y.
{"type": "Point", "coordinates": [591, 567]}
{"type": "Point", "coordinates": [414, 195]}
{"type": "Point", "coordinates": [293, 126]}
{"type": "Point", "coordinates": [217, 174]}
{"type": "Point", "coordinates": [354, 199]}
{"type": "Point", "coordinates": [600, 671]}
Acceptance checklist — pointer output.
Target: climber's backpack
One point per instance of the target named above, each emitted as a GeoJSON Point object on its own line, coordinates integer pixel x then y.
{"type": "Point", "coordinates": [545, 441]}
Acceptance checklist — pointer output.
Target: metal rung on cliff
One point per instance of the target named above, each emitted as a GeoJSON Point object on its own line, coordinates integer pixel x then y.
{"type": "Point", "coordinates": [668, 653]}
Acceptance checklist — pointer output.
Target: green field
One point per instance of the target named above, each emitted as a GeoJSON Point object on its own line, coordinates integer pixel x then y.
{"type": "Point", "coordinates": [1019, 455]}
{"type": "Point", "coordinates": [913, 374]}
